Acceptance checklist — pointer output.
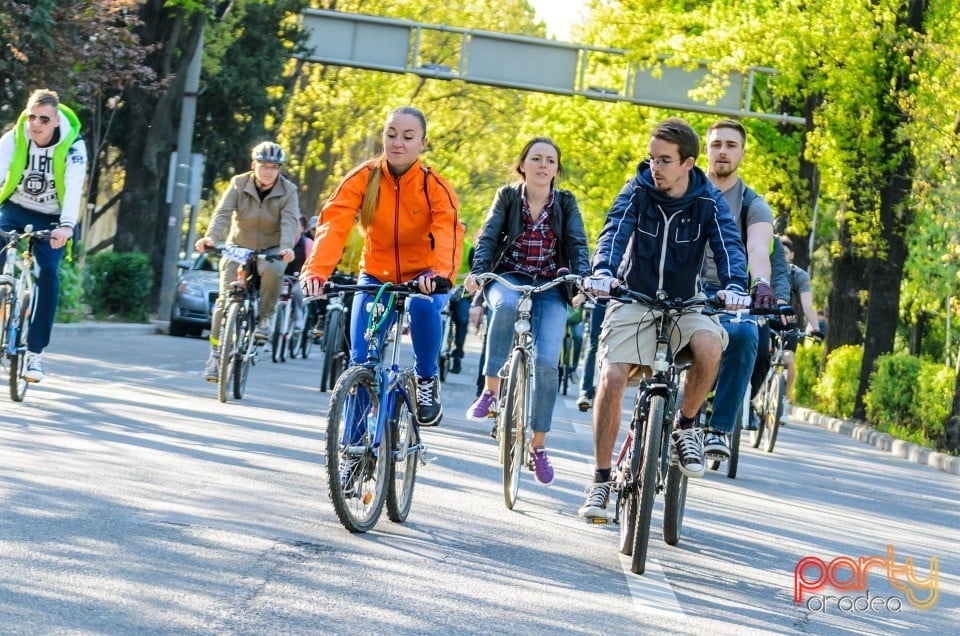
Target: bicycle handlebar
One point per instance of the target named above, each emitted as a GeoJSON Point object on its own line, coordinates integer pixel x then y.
{"type": "Point", "coordinates": [28, 232]}
{"type": "Point", "coordinates": [562, 278]}
{"type": "Point", "coordinates": [711, 304]}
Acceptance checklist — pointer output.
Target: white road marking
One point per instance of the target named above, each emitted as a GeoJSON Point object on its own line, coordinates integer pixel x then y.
{"type": "Point", "coordinates": [651, 592]}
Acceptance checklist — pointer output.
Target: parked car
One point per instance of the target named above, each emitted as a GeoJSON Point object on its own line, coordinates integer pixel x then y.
{"type": "Point", "coordinates": [197, 291]}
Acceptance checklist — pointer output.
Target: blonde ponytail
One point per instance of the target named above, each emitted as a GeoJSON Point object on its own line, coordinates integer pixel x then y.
{"type": "Point", "coordinates": [371, 196]}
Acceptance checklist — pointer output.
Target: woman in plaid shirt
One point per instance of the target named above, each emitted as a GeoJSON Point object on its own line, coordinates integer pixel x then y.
{"type": "Point", "coordinates": [532, 231]}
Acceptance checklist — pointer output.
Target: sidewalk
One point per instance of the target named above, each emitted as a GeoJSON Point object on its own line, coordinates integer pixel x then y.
{"type": "Point", "coordinates": [897, 447]}
{"type": "Point", "coordinates": [90, 327]}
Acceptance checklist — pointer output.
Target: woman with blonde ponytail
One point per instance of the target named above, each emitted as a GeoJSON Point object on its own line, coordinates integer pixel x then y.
{"type": "Point", "coordinates": [408, 217]}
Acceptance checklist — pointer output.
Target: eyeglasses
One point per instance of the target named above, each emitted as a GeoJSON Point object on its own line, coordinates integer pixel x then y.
{"type": "Point", "coordinates": [44, 119]}
{"type": "Point", "coordinates": [661, 162]}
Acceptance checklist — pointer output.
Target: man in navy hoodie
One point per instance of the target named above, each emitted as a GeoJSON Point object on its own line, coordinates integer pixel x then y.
{"type": "Point", "coordinates": [654, 239]}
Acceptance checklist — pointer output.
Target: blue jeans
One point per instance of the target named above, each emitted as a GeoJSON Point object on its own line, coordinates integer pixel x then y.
{"type": "Point", "coordinates": [17, 217]}
{"type": "Point", "coordinates": [460, 317]}
{"type": "Point", "coordinates": [736, 367]}
{"type": "Point", "coordinates": [424, 328]}
{"type": "Point", "coordinates": [548, 323]}
{"type": "Point", "coordinates": [590, 360]}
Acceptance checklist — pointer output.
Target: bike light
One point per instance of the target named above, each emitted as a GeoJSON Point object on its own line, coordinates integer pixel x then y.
{"type": "Point", "coordinates": [522, 326]}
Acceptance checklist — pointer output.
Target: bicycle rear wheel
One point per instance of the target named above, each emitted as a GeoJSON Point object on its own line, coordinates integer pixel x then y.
{"type": "Point", "coordinates": [774, 410]}
{"type": "Point", "coordinates": [627, 494]}
{"type": "Point", "coordinates": [228, 349]}
{"type": "Point", "coordinates": [674, 502]}
{"type": "Point", "coordinates": [513, 432]}
{"type": "Point", "coordinates": [334, 342]}
{"type": "Point", "coordinates": [18, 358]}
{"type": "Point", "coordinates": [649, 468]}
{"type": "Point", "coordinates": [357, 470]}
{"type": "Point", "coordinates": [246, 347]}
{"type": "Point", "coordinates": [403, 468]}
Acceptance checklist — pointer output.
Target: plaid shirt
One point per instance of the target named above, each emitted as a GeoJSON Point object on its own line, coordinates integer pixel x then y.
{"type": "Point", "coordinates": [534, 251]}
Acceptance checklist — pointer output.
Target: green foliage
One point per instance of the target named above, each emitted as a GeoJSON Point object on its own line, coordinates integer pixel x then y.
{"type": "Point", "coordinates": [70, 305]}
{"type": "Point", "coordinates": [806, 365]}
{"type": "Point", "coordinates": [118, 284]}
{"type": "Point", "coordinates": [932, 402]}
{"type": "Point", "coordinates": [892, 390]}
{"type": "Point", "coordinates": [837, 390]}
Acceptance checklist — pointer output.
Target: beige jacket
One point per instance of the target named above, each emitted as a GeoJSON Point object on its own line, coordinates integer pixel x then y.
{"type": "Point", "coordinates": [256, 224]}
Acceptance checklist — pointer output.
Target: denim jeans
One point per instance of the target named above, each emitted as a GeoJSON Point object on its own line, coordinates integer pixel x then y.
{"type": "Point", "coordinates": [587, 386]}
{"type": "Point", "coordinates": [548, 323]}
{"type": "Point", "coordinates": [460, 319]}
{"type": "Point", "coordinates": [17, 217]}
{"type": "Point", "coordinates": [736, 367]}
{"type": "Point", "coordinates": [424, 328]}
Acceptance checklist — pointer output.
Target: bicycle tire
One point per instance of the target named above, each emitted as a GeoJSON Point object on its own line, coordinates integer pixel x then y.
{"type": "Point", "coordinates": [359, 502]}
{"type": "Point", "coordinates": [403, 468]}
{"type": "Point", "coordinates": [228, 349]}
{"type": "Point", "coordinates": [293, 345]}
{"type": "Point", "coordinates": [246, 346]}
{"type": "Point", "coordinates": [627, 499]}
{"type": "Point", "coordinates": [332, 346]}
{"type": "Point", "coordinates": [674, 502]}
{"type": "Point", "coordinates": [648, 485]}
{"type": "Point", "coordinates": [734, 439]}
{"type": "Point", "coordinates": [760, 406]}
{"type": "Point", "coordinates": [18, 361]}
{"type": "Point", "coordinates": [306, 342]}
{"type": "Point", "coordinates": [775, 413]}
{"type": "Point", "coordinates": [276, 340]}
{"type": "Point", "coordinates": [512, 435]}
{"type": "Point", "coordinates": [628, 492]}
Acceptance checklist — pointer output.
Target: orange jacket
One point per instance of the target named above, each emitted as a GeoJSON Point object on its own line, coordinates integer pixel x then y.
{"type": "Point", "coordinates": [415, 228]}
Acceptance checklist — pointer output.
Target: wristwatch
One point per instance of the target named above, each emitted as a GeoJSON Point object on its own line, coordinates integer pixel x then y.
{"type": "Point", "coordinates": [761, 279]}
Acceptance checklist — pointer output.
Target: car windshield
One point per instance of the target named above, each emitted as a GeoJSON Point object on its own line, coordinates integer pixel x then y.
{"type": "Point", "coordinates": [207, 263]}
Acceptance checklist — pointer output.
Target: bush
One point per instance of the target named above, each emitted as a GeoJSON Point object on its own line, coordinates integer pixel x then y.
{"type": "Point", "coordinates": [837, 389]}
{"type": "Point", "coordinates": [70, 305]}
{"type": "Point", "coordinates": [117, 284]}
{"type": "Point", "coordinates": [806, 366]}
{"type": "Point", "coordinates": [932, 402]}
{"type": "Point", "coordinates": [893, 383]}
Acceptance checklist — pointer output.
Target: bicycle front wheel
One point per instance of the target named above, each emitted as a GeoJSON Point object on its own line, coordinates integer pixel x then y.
{"type": "Point", "coordinates": [229, 344]}
{"type": "Point", "coordinates": [357, 467]}
{"type": "Point", "coordinates": [18, 358]}
{"type": "Point", "coordinates": [513, 432]}
{"type": "Point", "coordinates": [774, 410]}
{"type": "Point", "coordinates": [649, 469]}
{"type": "Point", "coordinates": [405, 452]}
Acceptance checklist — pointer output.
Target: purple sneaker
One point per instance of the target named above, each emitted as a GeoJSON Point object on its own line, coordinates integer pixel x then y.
{"type": "Point", "coordinates": [542, 469]}
{"type": "Point", "coordinates": [484, 407]}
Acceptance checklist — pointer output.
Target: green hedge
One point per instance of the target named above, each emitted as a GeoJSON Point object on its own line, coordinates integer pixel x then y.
{"type": "Point", "coordinates": [70, 304]}
{"type": "Point", "coordinates": [837, 389]}
{"type": "Point", "coordinates": [118, 285]}
{"type": "Point", "coordinates": [806, 366]}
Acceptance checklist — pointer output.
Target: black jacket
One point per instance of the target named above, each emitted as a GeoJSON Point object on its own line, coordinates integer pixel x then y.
{"type": "Point", "coordinates": [504, 223]}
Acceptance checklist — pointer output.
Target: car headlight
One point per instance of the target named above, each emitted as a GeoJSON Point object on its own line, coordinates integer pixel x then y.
{"type": "Point", "coordinates": [190, 289]}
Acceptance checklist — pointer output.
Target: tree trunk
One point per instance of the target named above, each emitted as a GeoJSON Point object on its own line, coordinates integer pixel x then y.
{"type": "Point", "coordinates": [953, 422]}
{"type": "Point", "coordinates": [849, 277]}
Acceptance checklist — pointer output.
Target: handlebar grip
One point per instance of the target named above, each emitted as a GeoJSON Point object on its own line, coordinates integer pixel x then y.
{"type": "Point", "coordinates": [442, 285]}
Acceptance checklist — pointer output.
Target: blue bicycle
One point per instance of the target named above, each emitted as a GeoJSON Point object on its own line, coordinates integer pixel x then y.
{"type": "Point", "coordinates": [373, 410]}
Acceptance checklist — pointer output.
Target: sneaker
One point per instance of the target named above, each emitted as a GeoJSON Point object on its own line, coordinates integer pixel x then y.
{"type": "Point", "coordinates": [484, 407]}
{"type": "Point", "coordinates": [264, 329]}
{"type": "Point", "coordinates": [754, 422]}
{"type": "Point", "coordinates": [456, 366]}
{"type": "Point", "coordinates": [429, 409]}
{"type": "Point", "coordinates": [495, 430]}
{"type": "Point", "coordinates": [687, 450]}
{"type": "Point", "coordinates": [542, 470]}
{"type": "Point", "coordinates": [574, 377]}
{"type": "Point", "coordinates": [211, 371]}
{"type": "Point", "coordinates": [583, 402]}
{"type": "Point", "coordinates": [595, 507]}
{"type": "Point", "coordinates": [34, 372]}
{"type": "Point", "coordinates": [348, 475]}
{"type": "Point", "coordinates": [715, 445]}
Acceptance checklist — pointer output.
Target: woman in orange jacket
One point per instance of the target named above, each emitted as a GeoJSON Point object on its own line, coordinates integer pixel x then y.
{"type": "Point", "coordinates": [408, 217]}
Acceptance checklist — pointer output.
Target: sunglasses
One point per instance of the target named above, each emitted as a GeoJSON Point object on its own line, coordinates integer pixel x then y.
{"type": "Point", "coordinates": [44, 119]}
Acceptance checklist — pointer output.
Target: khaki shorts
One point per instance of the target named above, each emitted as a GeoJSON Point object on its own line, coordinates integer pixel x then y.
{"type": "Point", "coordinates": [629, 334]}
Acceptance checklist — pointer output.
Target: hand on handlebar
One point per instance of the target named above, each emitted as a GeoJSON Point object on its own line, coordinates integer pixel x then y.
{"type": "Point", "coordinates": [600, 284]}
{"type": "Point", "coordinates": [430, 284]}
{"type": "Point", "coordinates": [60, 236]}
{"type": "Point", "coordinates": [470, 283]}
{"type": "Point", "coordinates": [203, 243]}
{"type": "Point", "coordinates": [734, 299]}
{"type": "Point", "coordinates": [286, 255]}
{"type": "Point", "coordinates": [312, 285]}
{"type": "Point", "coordinates": [763, 297]}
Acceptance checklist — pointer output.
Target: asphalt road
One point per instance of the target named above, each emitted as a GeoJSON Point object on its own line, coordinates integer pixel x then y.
{"type": "Point", "coordinates": [136, 503]}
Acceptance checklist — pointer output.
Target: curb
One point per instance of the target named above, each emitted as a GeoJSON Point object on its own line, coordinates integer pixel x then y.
{"type": "Point", "coordinates": [896, 447]}
{"type": "Point", "coordinates": [109, 328]}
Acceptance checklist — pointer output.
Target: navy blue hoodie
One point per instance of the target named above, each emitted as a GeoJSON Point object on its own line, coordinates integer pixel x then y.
{"type": "Point", "coordinates": [653, 241]}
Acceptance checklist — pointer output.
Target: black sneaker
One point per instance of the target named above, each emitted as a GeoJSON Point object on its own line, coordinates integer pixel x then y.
{"type": "Point", "coordinates": [595, 507]}
{"type": "Point", "coordinates": [715, 445]}
{"type": "Point", "coordinates": [753, 423]}
{"type": "Point", "coordinates": [429, 409]}
{"type": "Point", "coordinates": [456, 366]}
{"type": "Point", "coordinates": [687, 447]}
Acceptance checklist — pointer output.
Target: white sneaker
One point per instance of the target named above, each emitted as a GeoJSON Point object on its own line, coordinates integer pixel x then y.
{"type": "Point", "coordinates": [34, 372]}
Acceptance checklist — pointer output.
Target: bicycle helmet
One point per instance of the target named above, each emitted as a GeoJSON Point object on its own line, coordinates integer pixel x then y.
{"type": "Point", "coordinates": [268, 152]}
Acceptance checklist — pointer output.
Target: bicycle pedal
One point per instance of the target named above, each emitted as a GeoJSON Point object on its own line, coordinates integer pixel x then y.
{"type": "Point", "coordinates": [597, 521]}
